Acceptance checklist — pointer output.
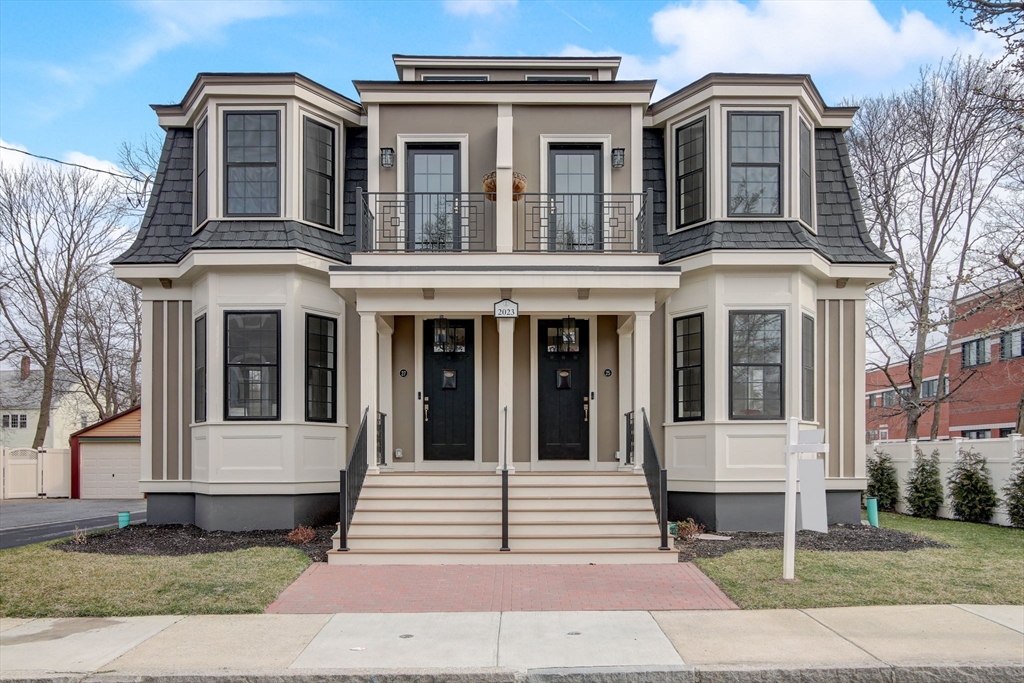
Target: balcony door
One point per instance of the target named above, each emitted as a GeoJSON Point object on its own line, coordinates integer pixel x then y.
{"type": "Point", "coordinates": [432, 201]}
{"type": "Point", "coordinates": [574, 186]}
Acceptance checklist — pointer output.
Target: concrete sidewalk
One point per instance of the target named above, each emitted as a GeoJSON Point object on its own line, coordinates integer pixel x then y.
{"type": "Point", "coordinates": [862, 644]}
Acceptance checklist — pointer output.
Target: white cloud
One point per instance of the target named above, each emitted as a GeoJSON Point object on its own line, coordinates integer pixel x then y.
{"type": "Point", "coordinates": [12, 159]}
{"type": "Point", "coordinates": [846, 40]}
{"type": "Point", "coordinates": [464, 8]}
{"type": "Point", "coordinates": [92, 162]}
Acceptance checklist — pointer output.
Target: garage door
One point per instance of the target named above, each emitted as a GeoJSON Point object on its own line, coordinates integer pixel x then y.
{"type": "Point", "coordinates": [110, 470]}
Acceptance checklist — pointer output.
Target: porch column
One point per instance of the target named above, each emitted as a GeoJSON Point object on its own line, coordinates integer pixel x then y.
{"type": "Point", "coordinates": [506, 328]}
{"type": "Point", "coordinates": [504, 226]}
{"type": "Point", "coordinates": [368, 384]}
{"type": "Point", "coordinates": [641, 382]}
{"type": "Point", "coordinates": [625, 383]}
{"type": "Point", "coordinates": [385, 330]}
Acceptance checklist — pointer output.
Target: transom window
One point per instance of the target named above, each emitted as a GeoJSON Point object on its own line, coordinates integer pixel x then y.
{"type": "Point", "coordinates": [321, 368]}
{"type": "Point", "coordinates": [974, 352]}
{"type": "Point", "coordinates": [690, 173]}
{"type": "Point", "coordinates": [689, 367]}
{"type": "Point", "coordinates": [318, 186]}
{"type": "Point", "coordinates": [755, 164]}
{"type": "Point", "coordinates": [252, 370]}
{"type": "Point", "coordinates": [756, 360]}
{"type": "Point", "coordinates": [252, 178]}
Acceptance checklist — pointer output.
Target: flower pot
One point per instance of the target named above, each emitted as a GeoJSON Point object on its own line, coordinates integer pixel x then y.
{"type": "Point", "coordinates": [490, 185]}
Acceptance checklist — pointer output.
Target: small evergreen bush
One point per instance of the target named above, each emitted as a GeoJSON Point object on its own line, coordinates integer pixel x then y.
{"type": "Point", "coordinates": [973, 498]}
{"type": "Point", "coordinates": [1014, 492]}
{"type": "Point", "coordinates": [883, 483]}
{"type": "Point", "coordinates": [924, 485]}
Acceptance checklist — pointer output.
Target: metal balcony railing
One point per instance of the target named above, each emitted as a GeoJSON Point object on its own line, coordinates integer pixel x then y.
{"type": "Point", "coordinates": [413, 222]}
{"type": "Point", "coordinates": [584, 222]}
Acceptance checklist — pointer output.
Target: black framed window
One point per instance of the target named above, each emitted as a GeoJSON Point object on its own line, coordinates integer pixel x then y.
{"type": "Point", "coordinates": [318, 183]}
{"type": "Point", "coordinates": [974, 352]}
{"type": "Point", "coordinates": [755, 164]}
{"type": "Point", "coordinates": [252, 346]}
{"type": "Point", "coordinates": [252, 161]}
{"type": "Point", "coordinates": [807, 369]}
{"type": "Point", "coordinates": [756, 361]}
{"type": "Point", "coordinates": [690, 146]}
{"type": "Point", "coordinates": [806, 175]}
{"type": "Point", "coordinates": [689, 367]}
{"type": "Point", "coordinates": [202, 188]}
{"type": "Point", "coordinates": [199, 384]}
{"type": "Point", "coordinates": [321, 368]}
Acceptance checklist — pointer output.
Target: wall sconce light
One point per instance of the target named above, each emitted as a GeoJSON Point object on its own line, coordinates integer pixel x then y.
{"type": "Point", "coordinates": [618, 157]}
{"type": "Point", "coordinates": [387, 157]}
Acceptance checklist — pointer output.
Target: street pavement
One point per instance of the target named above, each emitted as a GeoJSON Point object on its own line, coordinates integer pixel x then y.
{"type": "Point", "coordinates": [862, 644]}
{"type": "Point", "coordinates": [28, 521]}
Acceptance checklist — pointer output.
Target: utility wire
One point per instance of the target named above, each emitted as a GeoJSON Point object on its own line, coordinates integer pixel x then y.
{"type": "Point", "coordinates": [68, 163]}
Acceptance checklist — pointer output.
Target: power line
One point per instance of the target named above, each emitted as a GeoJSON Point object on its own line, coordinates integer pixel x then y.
{"type": "Point", "coordinates": [68, 163]}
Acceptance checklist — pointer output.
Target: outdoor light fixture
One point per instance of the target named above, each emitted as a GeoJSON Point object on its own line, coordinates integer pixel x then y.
{"type": "Point", "coordinates": [387, 157]}
{"type": "Point", "coordinates": [618, 157]}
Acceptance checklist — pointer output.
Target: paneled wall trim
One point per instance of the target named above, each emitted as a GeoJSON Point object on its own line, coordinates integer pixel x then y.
{"type": "Point", "coordinates": [170, 390]}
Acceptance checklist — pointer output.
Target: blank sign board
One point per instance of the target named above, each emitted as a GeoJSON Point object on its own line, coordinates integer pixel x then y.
{"type": "Point", "coordinates": [813, 514]}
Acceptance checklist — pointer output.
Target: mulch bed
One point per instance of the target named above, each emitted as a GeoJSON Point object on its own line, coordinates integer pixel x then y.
{"type": "Point", "coordinates": [173, 539]}
{"type": "Point", "coordinates": [840, 538]}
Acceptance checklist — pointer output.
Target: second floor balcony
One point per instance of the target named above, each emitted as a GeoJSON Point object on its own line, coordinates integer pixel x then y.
{"type": "Point", "coordinates": [450, 222]}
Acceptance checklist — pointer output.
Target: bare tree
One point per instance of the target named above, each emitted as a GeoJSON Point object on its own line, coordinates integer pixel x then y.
{"type": "Point", "coordinates": [58, 228]}
{"type": "Point", "coordinates": [140, 160]}
{"type": "Point", "coordinates": [929, 163]}
{"type": "Point", "coordinates": [1003, 19]}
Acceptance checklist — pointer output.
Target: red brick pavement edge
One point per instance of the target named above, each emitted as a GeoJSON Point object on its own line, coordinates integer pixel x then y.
{"type": "Point", "coordinates": [325, 589]}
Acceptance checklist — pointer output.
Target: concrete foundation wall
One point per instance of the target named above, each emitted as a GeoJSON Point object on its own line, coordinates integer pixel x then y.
{"type": "Point", "coordinates": [754, 511]}
{"type": "Point", "coordinates": [242, 513]}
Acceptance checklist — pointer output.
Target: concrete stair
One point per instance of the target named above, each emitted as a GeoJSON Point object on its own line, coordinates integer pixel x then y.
{"type": "Point", "coordinates": [455, 518]}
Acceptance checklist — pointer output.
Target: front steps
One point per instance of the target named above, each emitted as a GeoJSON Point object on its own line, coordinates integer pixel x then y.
{"type": "Point", "coordinates": [455, 518]}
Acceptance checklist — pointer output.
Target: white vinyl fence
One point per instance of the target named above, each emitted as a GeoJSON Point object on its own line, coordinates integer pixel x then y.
{"type": "Point", "coordinates": [31, 473]}
{"type": "Point", "coordinates": [999, 454]}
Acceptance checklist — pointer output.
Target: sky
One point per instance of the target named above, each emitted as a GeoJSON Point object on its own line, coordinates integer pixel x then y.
{"type": "Point", "coordinates": [77, 78]}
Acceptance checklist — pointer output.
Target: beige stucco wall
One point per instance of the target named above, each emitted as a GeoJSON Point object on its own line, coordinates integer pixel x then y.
{"type": "Point", "coordinates": [608, 417]}
{"type": "Point", "coordinates": [403, 355]}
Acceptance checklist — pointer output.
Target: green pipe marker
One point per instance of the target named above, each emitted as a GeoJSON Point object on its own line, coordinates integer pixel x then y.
{"type": "Point", "coordinates": [873, 512]}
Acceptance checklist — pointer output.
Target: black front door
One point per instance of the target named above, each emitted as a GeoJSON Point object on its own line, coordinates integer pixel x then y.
{"type": "Point", "coordinates": [574, 185]}
{"type": "Point", "coordinates": [432, 202]}
{"type": "Point", "coordinates": [448, 389]}
{"type": "Point", "coordinates": [563, 392]}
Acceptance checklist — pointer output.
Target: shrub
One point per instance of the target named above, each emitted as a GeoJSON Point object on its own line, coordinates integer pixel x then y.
{"type": "Point", "coordinates": [1014, 492]}
{"type": "Point", "coordinates": [924, 485]}
{"type": "Point", "coordinates": [301, 535]}
{"type": "Point", "coordinates": [882, 481]}
{"type": "Point", "coordinates": [689, 530]}
{"type": "Point", "coordinates": [973, 498]}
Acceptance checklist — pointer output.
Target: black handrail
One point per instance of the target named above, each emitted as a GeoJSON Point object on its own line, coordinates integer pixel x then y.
{"type": "Point", "coordinates": [657, 480]}
{"type": "Point", "coordinates": [504, 491]}
{"type": "Point", "coordinates": [630, 444]}
{"type": "Point", "coordinates": [351, 483]}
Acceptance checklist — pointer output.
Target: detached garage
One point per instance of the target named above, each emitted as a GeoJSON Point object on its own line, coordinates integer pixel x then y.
{"type": "Point", "coordinates": [106, 458]}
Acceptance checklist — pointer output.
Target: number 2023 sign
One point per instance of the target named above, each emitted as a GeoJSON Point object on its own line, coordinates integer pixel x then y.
{"type": "Point", "coordinates": [506, 308]}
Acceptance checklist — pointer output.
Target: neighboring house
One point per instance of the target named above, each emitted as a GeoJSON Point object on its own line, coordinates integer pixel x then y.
{"type": "Point", "coordinates": [986, 358]}
{"type": "Point", "coordinates": [20, 394]}
{"type": "Point", "coordinates": [307, 259]}
{"type": "Point", "coordinates": [106, 458]}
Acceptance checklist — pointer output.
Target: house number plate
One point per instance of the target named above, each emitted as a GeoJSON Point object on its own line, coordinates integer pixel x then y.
{"type": "Point", "coordinates": [506, 308]}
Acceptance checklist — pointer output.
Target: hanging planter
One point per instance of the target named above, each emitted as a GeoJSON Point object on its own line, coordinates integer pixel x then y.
{"type": "Point", "coordinates": [490, 185]}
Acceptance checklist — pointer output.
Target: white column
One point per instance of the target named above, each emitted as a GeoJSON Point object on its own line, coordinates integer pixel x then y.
{"type": "Point", "coordinates": [625, 383]}
{"type": "Point", "coordinates": [641, 383]}
{"type": "Point", "coordinates": [368, 384]}
{"type": "Point", "coordinates": [506, 358]}
{"type": "Point", "coordinates": [385, 330]}
{"type": "Point", "coordinates": [504, 225]}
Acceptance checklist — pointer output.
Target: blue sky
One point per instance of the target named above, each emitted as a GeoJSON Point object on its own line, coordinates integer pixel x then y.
{"type": "Point", "coordinates": [76, 78]}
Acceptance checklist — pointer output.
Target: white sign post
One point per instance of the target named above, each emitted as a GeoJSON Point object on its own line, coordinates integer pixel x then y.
{"type": "Point", "coordinates": [813, 509]}
{"type": "Point", "coordinates": [506, 308]}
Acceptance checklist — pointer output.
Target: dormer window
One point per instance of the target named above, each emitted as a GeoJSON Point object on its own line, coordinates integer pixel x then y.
{"type": "Point", "coordinates": [252, 164]}
{"type": "Point", "coordinates": [806, 175]}
{"type": "Point", "coordinates": [318, 192]}
{"type": "Point", "coordinates": [202, 177]}
{"type": "Point", "coordinates": [755, 164]}
{"type": "Point", "coordinates": [690, 156]}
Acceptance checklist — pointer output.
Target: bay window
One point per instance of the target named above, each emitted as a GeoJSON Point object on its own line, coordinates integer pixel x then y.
{"type": "Point", "coordinates": [252, 388]}
{"type": "Point", "coordinates": [321, 368]}
{"type": "Point", "coordinates": [689, 367]}
{"type": "Point", "coordinates": [318, 180]}
{"type": "Point", "coordinates": [690, 155]}
{"type": "Point", "coordinates": [756, 353]}
{"type": "Point", "coordinates": [252, 163]}
{"type": "Point", "coordinates": [755, 164]}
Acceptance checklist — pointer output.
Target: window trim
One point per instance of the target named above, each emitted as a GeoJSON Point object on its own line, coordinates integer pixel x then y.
{"type": "Point", "coordinates": [227, 366]}
{"type": "Point", "coordinates": [225, 163]}
{"type": "Point", "coordinates": [676, 368]}
{"type": "Point", "coordinates": [781, 364]}
{"type": "Point", "coordinates": [805, 320]}
{"type": "Point", "coordinates": [810, 221]}
{"type": "Point", "coordinates": [729, 163]}
{"type": "Point", "coordinates": [335, 137]}
{"type": "Point", "coordinates": [206, 369]}
{"type": "Point", "coordinates": [677, 205]}
{"type": "Point", "coordinates": [334, 371]}
{"type": "Point", "coordinates": [204, 129]}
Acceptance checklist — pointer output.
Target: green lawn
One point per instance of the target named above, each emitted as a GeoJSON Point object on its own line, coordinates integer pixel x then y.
{"type": "Point", "coordinates": [984, 566]}
{"type": "Point", "coordinates": [40, 581]}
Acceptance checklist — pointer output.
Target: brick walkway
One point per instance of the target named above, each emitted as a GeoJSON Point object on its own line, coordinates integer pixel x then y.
{"type": "Point", "coordinates": [492, 588]}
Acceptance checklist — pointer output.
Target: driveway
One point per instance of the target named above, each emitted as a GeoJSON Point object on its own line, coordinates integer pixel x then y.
{"type": "Point", "coordinates": [31, 521]}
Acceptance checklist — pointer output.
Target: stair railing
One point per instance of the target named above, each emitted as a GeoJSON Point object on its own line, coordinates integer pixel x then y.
{"type": "Point", "coordinates": [504, 490]}
{"type": "Point", "coordinates": [657, 480]}
{"type": "Point", "coordinates": [351, 483]}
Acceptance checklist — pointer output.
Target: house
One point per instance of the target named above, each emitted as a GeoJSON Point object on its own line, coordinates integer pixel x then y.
{"type": "Point", "coordinates": [106, 457]}
{"type": "Point", "coordinates": [985, 375]}
{"type": "Point", "coordinates": [491, 260]}
{"type": "Point", "coordinates": [20, 395]}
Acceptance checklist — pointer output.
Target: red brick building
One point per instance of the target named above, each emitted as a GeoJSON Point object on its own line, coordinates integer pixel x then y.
{"type": "Point", "coordinates": [987, 359]}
